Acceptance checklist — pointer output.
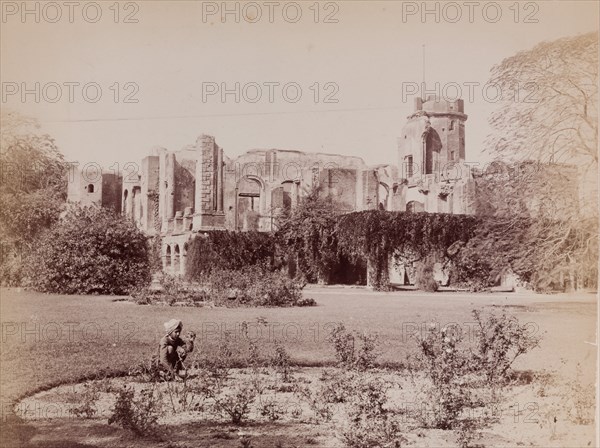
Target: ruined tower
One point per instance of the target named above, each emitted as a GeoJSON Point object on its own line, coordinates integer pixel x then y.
{"type": "Point", "coordinates": [209, 185]}
{"type": "Point", "coordinates": [431, 151]}
{"type": "Point", "coordinates": [433, 136]}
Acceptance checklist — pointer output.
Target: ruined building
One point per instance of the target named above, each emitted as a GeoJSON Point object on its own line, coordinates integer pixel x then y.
{"type": "Point", "coordinates": [199, 188]}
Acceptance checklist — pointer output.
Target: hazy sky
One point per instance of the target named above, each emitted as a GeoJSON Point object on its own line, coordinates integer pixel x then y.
{"type": "Point", "coordinates": [174, 52]}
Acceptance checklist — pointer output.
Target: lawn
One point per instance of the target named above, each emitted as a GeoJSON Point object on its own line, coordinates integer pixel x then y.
{"type": "Point", "coordinates": [49, 339]}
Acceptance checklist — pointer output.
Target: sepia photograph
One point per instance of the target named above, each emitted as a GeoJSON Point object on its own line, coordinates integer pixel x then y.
{"type": "Point", "coordinates": [290, 224]}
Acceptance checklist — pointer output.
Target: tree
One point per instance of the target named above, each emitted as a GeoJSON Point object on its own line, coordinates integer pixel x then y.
{"type": "Point", "coordinates": [549, 117]}
{"type": "Point", "coordinates": [33, 189]}
{"type": "Point", "coordinates": [307, 232]}
{"type": "Point", "coordinates": [90, 250]}
{"type": "Point", "coordinates": [527, 225]}
{"type": "Point", "coordinates": [549, 111]}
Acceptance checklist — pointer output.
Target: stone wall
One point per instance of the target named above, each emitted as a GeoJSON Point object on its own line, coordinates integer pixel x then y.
{"type": "Point", "coordinates": [259, 183]}
{"type": "Point", "coordinates": [198, 188]}
{"type": "Point", "coordinates": [185, 180]}
{"type": "Point", "coordinates": [111, 191]}
{"type": "Point", "coordinates": [208, 207]}
{"type": "Point", "coordinates": [85, 188]}
{"type": "Point", "coordinates": [340, 184]}
{"type": "Point", "coordinates": [149, 191]}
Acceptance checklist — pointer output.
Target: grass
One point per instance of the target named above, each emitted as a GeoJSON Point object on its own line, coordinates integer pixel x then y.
{"type": "Point", "coordinates": [53, 339]}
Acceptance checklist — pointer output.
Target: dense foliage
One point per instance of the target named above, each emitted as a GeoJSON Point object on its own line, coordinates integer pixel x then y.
{"type": "Point", "coordinates": [33, 188]}
{"type": "Point", "coordinates": [91, 250]}
{"type": "Point", "coordinates": [307, 235]}
{"type": "Point", "coordinates": [467, 370]}
{"type": "Point", "coordinates": [555, 122]}
{"type": "Point", "coordinates": [380, 235]}
{"type": "Point", "coordinates": [224, 249]}
{"type": "Point", "coordinates": [530, 224]}
{"type": "Point", "coordinates": [254, 286]}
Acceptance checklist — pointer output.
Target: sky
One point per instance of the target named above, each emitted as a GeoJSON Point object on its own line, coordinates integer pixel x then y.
{"type": "Point", "coordinates": [110, 81]}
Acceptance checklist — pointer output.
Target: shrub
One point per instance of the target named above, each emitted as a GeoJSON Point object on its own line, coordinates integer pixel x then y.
{"type": "Point", "coordinates": [580, 399]}
{"type": "Point", "coordinates": [91, 250]}
{"type": "Point", "coordinates": [345, 351]}
{"type": "Point", "coordinates": [236, 403]}
{"type": "Point", "coordinates": [33, 189]}
{"type": "Point", "coordinates": [336, 386]}
{"type": "Point", "coordinates": [246, 442]}
{"type": "Point", "coordinates": [188, 395]}
{"type": "Point", "coordinates": [228, 250]}
{"type": "Point", "coordinates": [148, 370]}
{"type": "Point", "coordinates": [501, 340]}
{"type": "Point", "coordinates": [138, 415]}
{"type": "Point", "coordinates": [253, 286]}
{"type": "Point", "coordinates": [323, 410]}
{"type": "Point", "coordinates": [464, 378]}
{"type": "Point", "coordinates": [448, 367]}
{"type": "Point", "coordinates": [11, 267]}
{"type": "Point", "coordinates": [173, 290]}
{"type": "Point", "coordinates": [371, 423]}
{"type": "Point", "coordinates": [271, 409]}
{"type": "Point", "coordinates": [282, 362]}
{"type": "Point", "coordinates": [88, 398]}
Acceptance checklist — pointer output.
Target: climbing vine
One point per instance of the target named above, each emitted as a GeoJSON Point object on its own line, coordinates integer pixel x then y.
{"type": "Point", "coordinates": [307, 236]}
{"type": "Point", "coordinates": [379, 235]}
{"type": "Point", "coordinates": [156, 240]}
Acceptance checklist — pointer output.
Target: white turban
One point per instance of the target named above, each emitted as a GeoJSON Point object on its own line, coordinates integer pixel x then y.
{"type": "Point", "coordinates": [172, 325]}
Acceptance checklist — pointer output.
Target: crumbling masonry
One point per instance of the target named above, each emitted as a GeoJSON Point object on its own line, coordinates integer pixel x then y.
{"type": "Point", "coordinates": [199, 188]}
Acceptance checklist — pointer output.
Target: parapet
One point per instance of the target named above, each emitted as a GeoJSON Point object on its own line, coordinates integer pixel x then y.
{"type": "Point", "coordinates": [434, 104]}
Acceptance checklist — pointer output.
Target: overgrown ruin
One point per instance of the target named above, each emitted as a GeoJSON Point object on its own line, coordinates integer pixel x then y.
{"type": "Point", "coordinates": [199, 188]}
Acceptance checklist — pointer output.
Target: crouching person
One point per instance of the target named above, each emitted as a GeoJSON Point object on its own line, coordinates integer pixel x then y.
{"type": "Point", "coordinates": [173, 350]}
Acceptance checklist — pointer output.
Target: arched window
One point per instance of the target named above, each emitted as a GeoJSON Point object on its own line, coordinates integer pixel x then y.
{"type": "Point", "coordinates": [176, 260]}
{"type": "Point", "coordinates": [433, 145]}
{"type": "Point", "coordinates": [289, 192]}
{"type": "Point", "coordinates": [90, 188]}
{"type": "Point", "coordinates": [415, 207]}
{"type": "Point", "coordinates": [167, 258]}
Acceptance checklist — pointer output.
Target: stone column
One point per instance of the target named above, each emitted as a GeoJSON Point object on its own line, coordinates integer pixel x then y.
{"type": "Point", "coordinates": [220, 180]}
{"type": "Point", "coordinates": [162, 187]}
{"type": "Point", "coordinates": [204, 199]}
{"type": "Point", "coordinates": [170, 186]}
{"type": "Point", "coordinates": [204, 174]}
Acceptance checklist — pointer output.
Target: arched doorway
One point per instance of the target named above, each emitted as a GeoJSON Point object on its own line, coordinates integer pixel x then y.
{"type": "Point", "coordinates": [176, 260]}
{"type": "Point", "coordinates": [249, 204]}
{"type": "Point", "coordinates": [284, 197]}
{"type": "Point", "coordinates": [433, 145]}
{"type": "Point", "coordinates": [383, 196]}
{"type": "Point", "coordinates": [167, 262]}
